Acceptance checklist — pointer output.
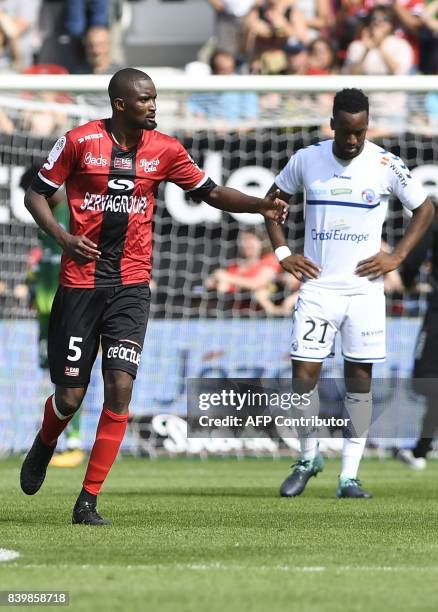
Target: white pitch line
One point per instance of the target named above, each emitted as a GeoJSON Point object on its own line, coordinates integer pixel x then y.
{"type": "Point", "coordinates": [8, 555]}
{"type": "Point", "coordinates": [205, 567]}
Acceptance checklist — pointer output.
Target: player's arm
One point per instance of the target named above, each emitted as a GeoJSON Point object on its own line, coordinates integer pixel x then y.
{"type": "Point", "coordinates": [234, 201]}
{"type": "Point", "coordinates": [381, 263]}
{"type": "Point", "coordinates": [184, 172]}
{"type": "Point", "coordinates": [80, 248]}
{"type": "Point", "coordinates": [417, 256]}
{"type": "Point", "coordinates": [295, 264]}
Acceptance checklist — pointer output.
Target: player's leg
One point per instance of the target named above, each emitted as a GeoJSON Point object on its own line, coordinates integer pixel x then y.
{"type": "Point", "coordinates": [109, 435]}
{"type": "Point", "coordinates": [314, 327]}
{"type": "Point", "coordinates": [358, 409]}
{"type": "Point", "coordinates": [123, 331]}
{"type": "Point", "coordinates": [72, 349]}
{"type": "Point", "coordinates": [363, 343]}
{"type": "Point", "coordinates": [304, 381]}
{"type": "Point", "coordinates": [425, 377]}
{"type": "Point", "coordinates": [58, 411]}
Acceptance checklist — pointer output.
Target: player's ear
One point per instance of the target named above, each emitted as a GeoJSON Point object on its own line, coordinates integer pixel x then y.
{"type": "Point", "coordinates": [332, 124]}
{"type": "Point", "coordinates": [119, 104]}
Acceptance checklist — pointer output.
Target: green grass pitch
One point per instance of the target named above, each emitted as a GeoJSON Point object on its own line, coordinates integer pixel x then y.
{"type": "Point", "coordinates": [213, 536]}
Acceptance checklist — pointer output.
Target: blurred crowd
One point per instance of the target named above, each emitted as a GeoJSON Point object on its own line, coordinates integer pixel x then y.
{"type": "Point", "coordinates": [275, 37]}
{"type": "Point", "coordinates": [78, 36]}
{"type": "Point", "coordinates": [318, 37]}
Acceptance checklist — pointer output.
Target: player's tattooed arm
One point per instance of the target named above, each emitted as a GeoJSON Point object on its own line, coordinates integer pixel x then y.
{"type": "Point", "coordinates": [79, 248]}
{"type": "Point", "coordinates": [382, 262]}
{"type": "Point", "coordinates": [295, 263]}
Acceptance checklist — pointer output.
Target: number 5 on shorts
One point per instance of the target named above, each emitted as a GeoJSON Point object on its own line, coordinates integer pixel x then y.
{"type": "Point", "coordinates": [76, 351]}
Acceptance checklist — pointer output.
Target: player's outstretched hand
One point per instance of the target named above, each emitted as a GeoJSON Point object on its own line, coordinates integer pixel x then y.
{"type": "Point", "coordinates": [274, 208]}
{"type": "Point", "coordinates": [377, 265]}
{"type": "Point", "coordinates": [299, 266]}
{"type": "Point", "coordinates": [81, 249]}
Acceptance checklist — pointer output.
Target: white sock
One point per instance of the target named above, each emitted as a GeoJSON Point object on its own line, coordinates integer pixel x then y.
{"type": "Point", "coordinates": [359, 408]}
{"type": "Point", "coordinates": [308, 441]}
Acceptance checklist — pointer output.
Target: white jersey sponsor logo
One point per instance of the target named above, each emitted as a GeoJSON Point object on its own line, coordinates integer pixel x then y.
{"type": "Point", "coordinates": [95, 161]}
{"type": "Point", "coordinates": [69, 371]}
{"type": "Point", "coordinates": [121, 184]}
{"type": "Point", "coordinates": [149, 165]}
{"type": "Point", "coordinates": [124, 163]}
{"type": "Point", "coordinates": [122, 352]}
{"type": "Point", "coordinates": [97, 202]}
{"type": "Point", "coordinates": [89, 137]}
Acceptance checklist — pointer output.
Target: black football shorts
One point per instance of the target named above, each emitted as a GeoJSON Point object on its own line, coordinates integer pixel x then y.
{"type": "Point", "coordinates": [426, 356]}
{"type": "Point", "coordinates": [82, 319]}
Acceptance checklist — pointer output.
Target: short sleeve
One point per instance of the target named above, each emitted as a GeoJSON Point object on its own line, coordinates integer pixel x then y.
{"type": "Point", "coordinates": [290, 179]}
{"type": "Point", "coordinates": [404, 186]}
{"type": "Point", "coordinates": [184, 171]}
{"type": "Point", "coordinates": [60, 162]}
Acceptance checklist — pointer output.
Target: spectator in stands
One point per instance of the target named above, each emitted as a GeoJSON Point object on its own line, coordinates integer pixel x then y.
{"type": "Point", "coordinates": [254, 273]}
{"type": "Point", "coordinates": [429, 39]}
{"type": "Point", "coordinates": [271, 23]}
{"type": "Point", "coordinates": [297, 58]}
{"type": "Point", "coordinates": [379, 51]}
{"type": "Point", "coordinates": [98, 52]}
{"type": "Point", "coordinates": [229, 24]}
{"type": "Point", "coordinates": [6, 123]}
{"type": "Point", "coordinates": [81, 15]}
{"type": "Point", "coordinates": [322, 57]}
{"type": "Point", "coordinates": [18, 23]}
{"type": "Point", "coordinates": [227, 105]}
{"type": "Point", "coordinates": [48, 121]}
{"type": "Point", "coordinates": [319, 16]}
{"type": "Point", "coordinates": [349, 18]}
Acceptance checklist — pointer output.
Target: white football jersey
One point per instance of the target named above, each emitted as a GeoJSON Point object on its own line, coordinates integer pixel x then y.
{"type": "Point", "coordinates": [346, 204]}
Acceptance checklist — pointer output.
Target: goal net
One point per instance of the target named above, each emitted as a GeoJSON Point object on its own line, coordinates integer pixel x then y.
{"type": "Point", "coordinates": [242, 132]}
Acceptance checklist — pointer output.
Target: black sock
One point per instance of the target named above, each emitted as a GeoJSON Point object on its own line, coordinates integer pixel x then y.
{"type": "Point", "coordinates": [84, 496]}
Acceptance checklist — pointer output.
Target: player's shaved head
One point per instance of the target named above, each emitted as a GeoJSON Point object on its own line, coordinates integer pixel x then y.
{"type": "Point", "coordinates": [350, 101]}
{"type": "Point", "coordinates": [123, 80]}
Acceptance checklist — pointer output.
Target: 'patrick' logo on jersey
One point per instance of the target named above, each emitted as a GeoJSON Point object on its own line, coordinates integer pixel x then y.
{"type": "Point", "coordinates": [368, 196]}
{"type": "Point", "coordinates": [149, 165]}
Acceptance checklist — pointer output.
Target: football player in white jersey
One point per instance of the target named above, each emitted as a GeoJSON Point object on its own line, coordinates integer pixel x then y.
{"type": "Point", "coordinates": [347, 183]}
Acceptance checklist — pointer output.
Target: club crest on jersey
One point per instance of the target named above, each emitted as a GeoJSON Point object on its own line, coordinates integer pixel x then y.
{"type": "Point", "coordinates": [368, 196]}
{"type": "Point", "coordinates": [124, 163]}
{"type": "Point", "coordinates": [90, 160]}
{"type": "Point", "coordinates": [149, 165]}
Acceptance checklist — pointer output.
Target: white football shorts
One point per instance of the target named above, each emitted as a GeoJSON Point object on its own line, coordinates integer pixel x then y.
{"type": "Point", "coordinates": [359, 319]}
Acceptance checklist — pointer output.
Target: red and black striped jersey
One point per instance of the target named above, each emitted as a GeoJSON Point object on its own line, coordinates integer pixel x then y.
{"type": "Point", "coordinates": [110, 191]}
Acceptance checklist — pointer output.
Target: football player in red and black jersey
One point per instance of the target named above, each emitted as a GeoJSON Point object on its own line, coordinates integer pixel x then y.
{"type": "Point", "coordinates": [111, 169]}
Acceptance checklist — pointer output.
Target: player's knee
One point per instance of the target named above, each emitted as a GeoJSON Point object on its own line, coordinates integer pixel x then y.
{"type": "Point", "coordinates": [117, 390]}
{"type": "Point", "coordinates": [69, 400]}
